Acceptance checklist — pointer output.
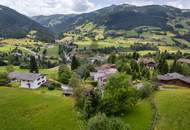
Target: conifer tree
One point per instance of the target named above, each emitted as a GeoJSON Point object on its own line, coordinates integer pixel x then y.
{"type": "Point", "coordinates": [164, 67]}
{"type": "Point", "coordinates": [75, 63]}
{"type": "Point", "coordinates": [33, 65]}
{"type": "Point", "coordinates": [112, 58]}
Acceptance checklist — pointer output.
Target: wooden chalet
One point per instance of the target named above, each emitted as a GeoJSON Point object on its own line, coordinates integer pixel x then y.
{"type": "Point", "coordinates": [149, 62]}
{"type": "Point", "coordinates": [174, 79]}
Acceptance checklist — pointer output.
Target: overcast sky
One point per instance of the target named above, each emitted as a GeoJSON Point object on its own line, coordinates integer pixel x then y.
{"type": "Point", "coordinates": [47, 7]}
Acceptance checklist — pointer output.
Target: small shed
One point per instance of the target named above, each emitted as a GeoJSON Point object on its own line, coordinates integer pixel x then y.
{"type": "Point", "coordinates": [67, 90]}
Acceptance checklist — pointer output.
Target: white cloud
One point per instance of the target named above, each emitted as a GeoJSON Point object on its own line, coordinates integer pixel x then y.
{"type": "Point", "coordinates": [140, 2]}
{"type": "Point", "coordinates": [47, 7]}
{"type": "Point", "coordinates": [183, 4]}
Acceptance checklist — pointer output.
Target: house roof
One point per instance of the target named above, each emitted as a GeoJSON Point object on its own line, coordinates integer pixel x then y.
{"type": "Point", "coordinates": [174, 76]}
{"type": "Point", "coordinates": [107, 66]}
{"type": "Point", "coordinates": [183, 60]}
{"type": "Point", "coordinates": [146, 60]}
{"type": "Point", "coordinates": [104, 73]}
{"type": "Point", "coordinates": [23, 76]}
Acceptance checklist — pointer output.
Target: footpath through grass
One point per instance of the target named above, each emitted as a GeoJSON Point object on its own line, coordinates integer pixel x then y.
{"type": "Point", "coordinates": [22, 109]}
{"type": "Point", "coordinates": [173, 109]}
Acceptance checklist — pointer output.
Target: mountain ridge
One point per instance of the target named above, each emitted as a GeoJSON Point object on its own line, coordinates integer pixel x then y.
{"type": "Point", "coordinates": [16, 25]}
{"type": "Point", "coordinates": [115, 17]}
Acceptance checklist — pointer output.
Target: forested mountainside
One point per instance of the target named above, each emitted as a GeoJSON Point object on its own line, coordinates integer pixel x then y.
{"type": "Point", "coordinates": [16, 25]}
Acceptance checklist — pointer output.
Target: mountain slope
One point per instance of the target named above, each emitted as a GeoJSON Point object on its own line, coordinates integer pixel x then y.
{"type": "Point", "coordinates": [116, 17]}
{"type": "Point", "coordinates": [52, 20]}
{"type": "Point", "coordinates": [16, 25]}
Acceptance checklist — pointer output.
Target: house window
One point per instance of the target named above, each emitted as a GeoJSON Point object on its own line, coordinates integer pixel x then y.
{"type": "Point", "coordinates": [39, 83]}
{"type": "Point", "coordinates": [29, 85]}
{"type": "Point", "coordinates": [43, 81]}
{"type": "Point", "coordinates": [38, 79]}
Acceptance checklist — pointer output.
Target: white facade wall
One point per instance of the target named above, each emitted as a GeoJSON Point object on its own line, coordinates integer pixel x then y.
{"type": "Point", "coordinates": [33, 84]}
{"type": "Point", "coordinates": [102, 75]}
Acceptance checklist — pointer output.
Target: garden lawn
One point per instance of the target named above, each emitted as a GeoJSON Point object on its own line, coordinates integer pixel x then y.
{"type": "Point", "coordinates": [173, 108]}
{"type": "Point", "coordinates": [140, 118]}
{"type": "Point", "coordinates": [22, 109]}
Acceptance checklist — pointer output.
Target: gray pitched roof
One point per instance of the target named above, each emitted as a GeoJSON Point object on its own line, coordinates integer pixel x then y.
{"type": "Point", "coordinates": [23, 76]}
{"type": "Point", "coordinates": [183, 60]}
{"type": "Point", "coordinates": [146, 60]}
{"type": "Point", "coordinates": [174, 76]}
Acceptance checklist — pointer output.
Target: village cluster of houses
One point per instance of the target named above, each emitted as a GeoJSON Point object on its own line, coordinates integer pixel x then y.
{"type": "Point", "coordinates": [104, 71]}
{"type": "Point", "coordinates": [34, 81]}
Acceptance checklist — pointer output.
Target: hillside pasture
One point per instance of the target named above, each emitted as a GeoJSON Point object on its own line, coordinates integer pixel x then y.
{"type": "Point", "coordinates": [173, 109]}
{"type": "Point", "coordinates": [22, 109]}
{"type": "Point", "coordinates": [6, 48]}
{"type": "Point", "coordinates": [140, 118]}
{"type": "Point", "coordinates": [22, 41]}
{"type": "Point", "coordinates": [51, 51]}
{"type": "Point", "coordinates": [168, 48]}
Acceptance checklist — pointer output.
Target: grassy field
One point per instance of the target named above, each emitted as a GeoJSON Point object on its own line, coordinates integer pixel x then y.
{"type": "Point", "coordinates": [52, 52]}
{"type": "Point", "coordinates": [168, 48]}
{"type": "Point", "coordinates": [22, 41]}
{"type": "Point", "coordinates": [22, 109]}
{"type": "Point", "coordinates": [32, 110]}
{"type": "Point", "coordinates": [173, 108]}
{"type": "Point", "coordinates": [140, 118]}
{"type": "Point", "coordinates": [6, 48]}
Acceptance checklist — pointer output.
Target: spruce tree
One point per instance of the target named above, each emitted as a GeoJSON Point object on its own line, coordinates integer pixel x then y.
{"type": "Point", "coordinates": [174, 66]}
{"type": "Point", "coordinates": [75, 63]}
{"type": "Point", "coordinates": [33, 65]}
{"type": "Point", "coordinates": [165, 67]}
{"type": "Point", "coordinates": [112, 58]}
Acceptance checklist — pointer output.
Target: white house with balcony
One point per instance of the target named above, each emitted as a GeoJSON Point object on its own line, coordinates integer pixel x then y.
{"type": "Point", "coordinates": [28, 80]}
{"type": "Point", "coordinates": [103, 73]}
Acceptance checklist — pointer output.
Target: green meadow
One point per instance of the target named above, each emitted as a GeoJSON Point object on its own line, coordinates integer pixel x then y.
{"type": "Point", "coordinates": [22, 109]}
{"type": "Point", "coordinates": [140, 118]}
{"type": "Point", "coordinates": [173, 109]}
